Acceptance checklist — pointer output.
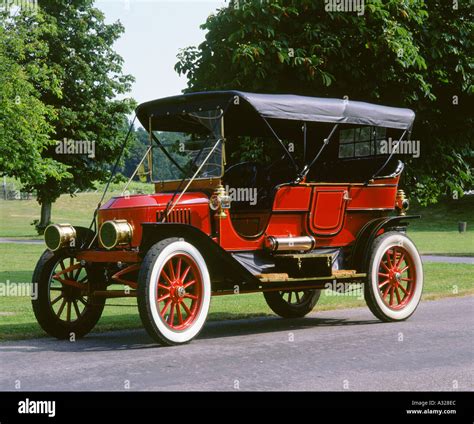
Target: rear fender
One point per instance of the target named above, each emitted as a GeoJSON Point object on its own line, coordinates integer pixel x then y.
{"type": "Point", "coordinates": [366, 236]}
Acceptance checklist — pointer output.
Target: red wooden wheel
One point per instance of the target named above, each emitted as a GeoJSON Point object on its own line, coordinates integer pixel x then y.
{"type": "Point", "coordinates": [174, 291]}
{"type": "Point", "coordinates": [179, 291]}
{"type": "Point", "coordinates": [397, 277]}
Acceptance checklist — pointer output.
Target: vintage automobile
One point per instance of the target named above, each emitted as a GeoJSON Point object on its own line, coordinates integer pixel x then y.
{"type": "Point", "coordinates": [281, 194]}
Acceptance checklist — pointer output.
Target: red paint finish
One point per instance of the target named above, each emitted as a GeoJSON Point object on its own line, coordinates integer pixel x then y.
{"type": "Point", "coordinates": [138, 209]}
{"type": "Point", "coordinates": [327, 210]}
{"type": "Point", "coordinates": [372, 197]}
{"type": "Point", "coordinates": [290, 198]}
{"type": "Point", "coordinates": [332, 213]}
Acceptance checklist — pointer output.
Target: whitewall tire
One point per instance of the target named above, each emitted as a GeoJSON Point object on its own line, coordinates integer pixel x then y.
{"type": "Point", "coordinates": [174, 291]}
{"type": "Point", "coordinates": [395, 277]}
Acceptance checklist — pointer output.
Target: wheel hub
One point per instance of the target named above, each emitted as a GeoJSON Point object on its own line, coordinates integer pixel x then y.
{"type": "Point", "coordinates": [180, 291]}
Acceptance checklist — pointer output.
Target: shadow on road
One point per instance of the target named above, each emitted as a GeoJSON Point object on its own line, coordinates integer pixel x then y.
{"type": "Point", "coordinates": [139, 339]}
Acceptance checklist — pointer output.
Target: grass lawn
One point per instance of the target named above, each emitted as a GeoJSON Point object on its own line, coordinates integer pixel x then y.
{"type": "Point", "coordinates": [437, 230]}
{"type": "Point", "coordinates": [17, 320]}
{"type": "Point", "coordinates": [16, 216]}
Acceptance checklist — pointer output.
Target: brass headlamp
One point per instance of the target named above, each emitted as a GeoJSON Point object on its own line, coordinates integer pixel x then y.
{"type": "Point", "coordinates": [115, 233]}
{"type": "Point", "coordinates": [59, 235]}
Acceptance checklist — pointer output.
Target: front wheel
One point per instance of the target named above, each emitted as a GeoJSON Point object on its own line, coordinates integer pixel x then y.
{"type": "Point", "coordinates": [292, 303]}
{"type": "Point", "coordinates": [62, 303]}
{"type": "Point", "coordinates": [174, 292]}
{"type": "Point", "coordinates": [395, 278]}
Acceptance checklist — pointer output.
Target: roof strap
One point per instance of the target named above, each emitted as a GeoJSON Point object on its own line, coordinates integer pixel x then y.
{"type": "Point", "coordinates": [306, 169]}
{"type": "Point", "coordinates": [282, 144]}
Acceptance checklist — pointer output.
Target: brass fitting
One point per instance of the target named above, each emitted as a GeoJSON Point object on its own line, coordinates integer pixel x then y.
{"type": "Point", "coordinates": [401, 203]}
{"type": "Point", "coordinates": [220, 201]}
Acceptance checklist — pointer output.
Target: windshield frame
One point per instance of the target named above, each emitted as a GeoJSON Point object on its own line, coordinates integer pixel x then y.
{"type": "Point", "coordinates": [211, 138]}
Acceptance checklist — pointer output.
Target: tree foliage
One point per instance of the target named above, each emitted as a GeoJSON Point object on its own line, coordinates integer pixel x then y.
{"type": "Point", "coordinates": [25, 127]}
{"type": "Point", "coordinates": [411, 53]}
{"type": "Point", "coordinates": [78, 77]}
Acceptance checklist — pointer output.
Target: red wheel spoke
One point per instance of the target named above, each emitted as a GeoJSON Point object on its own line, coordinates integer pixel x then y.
{"type": "Point", "coordinates": [190, 296]}
{"type": "Point", "coordinates": [168, 279]}
{"type": "Point", "coordinates": [384, 295]}
{"type": "Point", "coordinates": [385, 266]}
{"type": "Point", "coordinates": [189, 283]}
{"type": "Point", "coordinates": [185, 273]}
{"type": "Point", "coordinates": [171, 270]}
{"type": "Point", "coordinates": [178, 269]}
{"type": "Point", "coordinates": [161, 286]}
{"type": "Point", "coordinates": [165, 296]}
{"type": "Point", "coordinates": [383, 283]}
{"type": "Point", "coordinates": [391, 296]}
{"type": "Point", "coordinates": [188, 311]}
{"type": "Point", "coordinates": [397, 293]}
{"type": "Point", "coordinates": [406, 279]}
{"type": "Point", "coordinates": [382, 274]}
{"type": "Point", "coordinates": [166, 308]}
{"type": "Point", "coordinates": [180, 317]}
{"type": "Point", "coordinates": [171, 315]}
{"type": "Point", "coordinates": [404, 269]}
{"type": "Point", "coordinates": [389, 261]}
{"type": "Point", "coordinates": [402, 256]}
{"type": "Point", "coordinates": [404, 290]}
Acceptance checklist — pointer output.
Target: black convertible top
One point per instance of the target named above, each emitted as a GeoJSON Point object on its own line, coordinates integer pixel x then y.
{"type": "Point", "coordinates": [240, 106]}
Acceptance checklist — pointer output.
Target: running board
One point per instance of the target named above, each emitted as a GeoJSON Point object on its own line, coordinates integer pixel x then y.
{"type": "Point", "coordinates": [343, 274]}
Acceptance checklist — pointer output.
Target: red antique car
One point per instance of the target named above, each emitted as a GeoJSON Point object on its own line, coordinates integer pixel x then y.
{"type": "Point", "coordinates": [281, 194]}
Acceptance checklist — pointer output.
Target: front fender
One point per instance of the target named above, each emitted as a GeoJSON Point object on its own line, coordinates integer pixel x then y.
{"type": "Point", "coordinates": [222, 266]}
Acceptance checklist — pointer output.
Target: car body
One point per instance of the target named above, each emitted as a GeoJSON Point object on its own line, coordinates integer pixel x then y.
{"type": "Point", "coordinates": [316, 205]}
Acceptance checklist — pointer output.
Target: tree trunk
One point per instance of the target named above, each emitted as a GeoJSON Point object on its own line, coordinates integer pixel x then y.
{"type": "Point", "coordinates": [45, 215]}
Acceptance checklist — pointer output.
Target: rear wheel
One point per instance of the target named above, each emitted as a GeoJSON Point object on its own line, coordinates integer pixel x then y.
{"type": "Point", "coordinates": [61, 302]}
{"type": "Point", "coordinates": [174, 292]}
{"type": "Point", "coordinates": [395, 278]}
{"type": "Point", "coordinates": [292, 303]}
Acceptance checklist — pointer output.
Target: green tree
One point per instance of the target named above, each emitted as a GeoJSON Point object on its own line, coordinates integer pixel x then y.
{"type": "Point", "coordinates": [413, 53]}
{"type": "Point", "coordinates": [25, 127]}
{"type": "Point", "coordinates": [86, 109]}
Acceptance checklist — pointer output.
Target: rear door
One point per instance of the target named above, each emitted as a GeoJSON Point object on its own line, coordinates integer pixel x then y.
{"type": "Point", "coordinates": [328, 207]}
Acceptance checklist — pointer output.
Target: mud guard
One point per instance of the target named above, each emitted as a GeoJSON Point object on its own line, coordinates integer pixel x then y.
{"type": "Point", "coordinates": [368, 233]}
{"type": "Point", "coordinates": [224, 269]}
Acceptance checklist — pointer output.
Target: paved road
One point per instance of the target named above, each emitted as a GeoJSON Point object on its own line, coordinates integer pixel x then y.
{"type": "Point", "coordinates": [20, 241]}
{"type": "Point", "coordinates": [448, 259]}
{"type": "Point", "coordinates": [330, 350]}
